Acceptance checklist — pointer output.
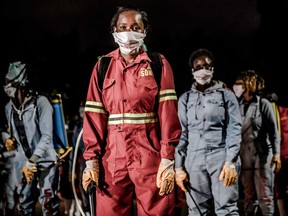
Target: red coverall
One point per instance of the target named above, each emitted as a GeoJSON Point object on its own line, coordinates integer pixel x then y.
{"type": "Point", "coordinates": [122, 130]}
{"type": "Point", "coordinates": [281, 183]}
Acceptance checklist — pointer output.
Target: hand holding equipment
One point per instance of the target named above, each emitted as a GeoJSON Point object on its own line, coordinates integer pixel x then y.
{"type": "Point", "coordinates": [277, 161]}
{"type": "Point", "coordinates": [90, 173]}
{"type": "Point", "coordinates": [181, 178]}
{"type": "Point", "coordinates": [28, 170]}
{"type": "Point", "coordinates": [10, 144]}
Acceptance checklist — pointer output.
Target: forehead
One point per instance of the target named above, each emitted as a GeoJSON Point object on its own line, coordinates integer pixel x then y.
{"type": "Point", "coordinates": [239, 82]}
{"type": "Point", "coordinates": [201, 60]}
{"type": "Point", "coordinates": [129, 17]}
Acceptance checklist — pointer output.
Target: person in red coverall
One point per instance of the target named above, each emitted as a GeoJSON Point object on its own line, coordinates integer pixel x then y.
{"type": "Point", "coordinates": [129, 146]}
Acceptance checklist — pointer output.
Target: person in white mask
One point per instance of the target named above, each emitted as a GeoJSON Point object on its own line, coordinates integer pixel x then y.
{"type": "Point", "coordinates": [130, 142]}
{"type": "Point", "coordinates": [207, 156]}
{"type": "Point", "coordinates": [260, 145]}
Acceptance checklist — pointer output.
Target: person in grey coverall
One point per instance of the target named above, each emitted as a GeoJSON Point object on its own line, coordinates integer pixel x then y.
{"type": "Point", "coordinates": [30, 123]}
{"type": "Point", "coordinates": [260, 146]}
{"type": "Point", "coordinates": [207, 156]}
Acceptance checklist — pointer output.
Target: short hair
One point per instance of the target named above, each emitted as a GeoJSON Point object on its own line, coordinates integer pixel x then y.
{"type": "Point", "coordinates": [198, 53]}
{"type": "Point", "coordinates": [120, 10]}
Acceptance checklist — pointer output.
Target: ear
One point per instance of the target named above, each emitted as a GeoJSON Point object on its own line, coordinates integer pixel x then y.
{"type": "Point", "coordinates": [145, 31]}
{"type": "Point", "coordinates": [114, 29]}
{"type": "Point", "coordinates": [212, 69]}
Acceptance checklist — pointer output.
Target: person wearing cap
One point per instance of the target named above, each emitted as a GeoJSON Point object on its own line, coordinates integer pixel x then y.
{"type": "Point", "coordinates": [30, 122]}
{"type": "Point", "coordinates": [207, 156]}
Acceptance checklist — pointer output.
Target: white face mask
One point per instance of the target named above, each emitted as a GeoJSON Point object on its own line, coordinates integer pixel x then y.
{"type": "Point", "coordinates": [10, 90]}
{"type": "Point", "coordinates": [238, 90]}
{"type": "Point", "coordinates": [203, 76]}
{"type": "Point", "coordinates": [129, 41]}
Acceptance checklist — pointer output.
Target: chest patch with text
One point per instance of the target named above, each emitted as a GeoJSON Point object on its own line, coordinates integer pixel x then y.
{"type": "Point", "coordinates": [146, 72]}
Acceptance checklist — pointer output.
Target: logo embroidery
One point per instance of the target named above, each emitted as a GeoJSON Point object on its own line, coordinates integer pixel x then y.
{"type": "Point", "coordinates": [146, 72]}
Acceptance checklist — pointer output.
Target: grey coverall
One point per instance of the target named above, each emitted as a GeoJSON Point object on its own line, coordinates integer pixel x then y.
{"type": "Point", "coordinates": [260, 140]}
{"type": "Point", "coordinates": [38, 124]}
{"type": "Point", "coordinates": [211, 135]}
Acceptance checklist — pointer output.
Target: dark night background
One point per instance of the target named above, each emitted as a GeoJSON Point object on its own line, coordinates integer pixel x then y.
{"type": "Point", "coordinates": [62, 39]}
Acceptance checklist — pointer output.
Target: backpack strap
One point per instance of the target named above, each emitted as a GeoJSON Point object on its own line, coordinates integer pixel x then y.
{"type": "Point", "coordinates": [156, 65]}
{"type": "Point", "coordinates": [104, 63]}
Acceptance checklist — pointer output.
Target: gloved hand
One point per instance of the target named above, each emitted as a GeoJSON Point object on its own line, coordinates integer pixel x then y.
{"type": "Point", "coordinates": [277, 161]}
{"type": "Point", "coordinates": [181, 178]}
{"type": "Point", "coordinates": [165, 176]}
{"type": "Point", "coordinates": [229, 174]}
{"type": "Point", "coordinates": [90, 173]}
{"type": "Point", "coordinates": [28, 170]}
{"type": "Point", "coordinates": [10, 144]}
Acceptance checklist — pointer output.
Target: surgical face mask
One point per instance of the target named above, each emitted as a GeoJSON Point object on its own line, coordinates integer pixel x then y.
{"type": "Point", "coordinates": [81, 112]}
{"type": "Point", "coordinates": [203, 76]}
{"type": "Point", "coordinates": [10, 90]}
{"type": "Point", "coordinates": [129, 41]}
{"type": "Point", "coordinates": [238, 90]}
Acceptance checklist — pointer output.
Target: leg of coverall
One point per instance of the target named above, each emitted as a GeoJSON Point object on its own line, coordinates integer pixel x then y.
{"type": "Point", "coordinates": [28, 194]}
{"type": "Point", "coordinates": [28, 198]}
{"type": "Point", "coordinates": [10, 186]}
{"type": "Point", "coordinates": [250, 196]}
{"type": "Point", "coordinates": [264, 181]}
{"type": "Point", "coordinates": [143, 168]}
{"type": "Point", "coordinates": [114, 195]}
{"type": "Point", "coordinates": [48, 183]}
{"type": "Point", "coordinates": [225, 198]}
{"type": "Point", "coordinates": [200, 184]}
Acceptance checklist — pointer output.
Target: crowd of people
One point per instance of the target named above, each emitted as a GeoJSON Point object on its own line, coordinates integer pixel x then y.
{"type": "Point", "coordinates": [142, 149]}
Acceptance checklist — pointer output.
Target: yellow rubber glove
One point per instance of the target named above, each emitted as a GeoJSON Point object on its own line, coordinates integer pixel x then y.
{"type": "Point", "coordinates": [277, 161]}
{"type": "Point", "coordinates": [229, 174]}
{"type": "Point", "coordinates": [10, 144]}
{"type": "Point", "coordinates": [181, 178]}
{"type": "Point", "coordinates": [28, 170]}
{"type": "Point", "coordinates": [165, 176]}
{"type": "Point", "coordinates": [90, 173]}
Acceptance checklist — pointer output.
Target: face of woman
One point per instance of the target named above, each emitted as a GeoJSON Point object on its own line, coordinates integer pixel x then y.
{"type": "Point", "coordinates": [130, 21]}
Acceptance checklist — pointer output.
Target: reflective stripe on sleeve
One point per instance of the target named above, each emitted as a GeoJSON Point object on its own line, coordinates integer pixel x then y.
{"type": "Point", "coordinates": [168, 94]}
{"type": "Point", "coordinates": [132, 118]}
{"type": "Point", "coordinates": [97, 107]}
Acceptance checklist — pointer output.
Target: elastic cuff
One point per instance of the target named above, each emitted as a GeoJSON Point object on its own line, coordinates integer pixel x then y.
{"type": "Point", "coordinates": [34, 158]}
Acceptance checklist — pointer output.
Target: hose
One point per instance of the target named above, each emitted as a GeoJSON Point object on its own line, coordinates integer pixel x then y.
{"type": "Point", "coordinates": [73, 173]}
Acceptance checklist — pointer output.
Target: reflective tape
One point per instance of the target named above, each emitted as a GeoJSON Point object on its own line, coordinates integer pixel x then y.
{"type": "Point", "coordinates": [97, 107]}
{"type": "Point", "coordinates": [132, 118]}
{"type": "Point", "coordinates": [168, 94]}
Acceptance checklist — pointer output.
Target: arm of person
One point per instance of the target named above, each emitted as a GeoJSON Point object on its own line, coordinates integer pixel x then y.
{"type": "Point", "coordinates": [269, 120]}
{"type": "Point", "coordinates": [234, 125]}
{"type": "Point", "coordinates": [95, 119]}
{"type": "Point", "coordinates": [168, 112]}
{"type": "Point", "coordinates": [45, 122]}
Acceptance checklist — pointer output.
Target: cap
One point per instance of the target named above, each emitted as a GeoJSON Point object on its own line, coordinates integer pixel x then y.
{"type": "Point", "coordinates": [17, 73]}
